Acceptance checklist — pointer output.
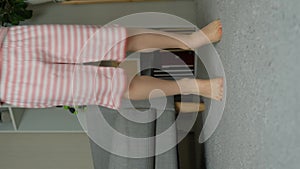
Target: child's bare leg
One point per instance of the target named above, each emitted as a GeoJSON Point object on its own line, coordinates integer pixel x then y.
{"type": "Point", "coordinates": [212, 88]}
{"type": "Point", "coordinates": [141, 39]}
{"type": "Point", "coordinates": [141, 87]}
{"type": "Point", "coordinates": [147, 39]}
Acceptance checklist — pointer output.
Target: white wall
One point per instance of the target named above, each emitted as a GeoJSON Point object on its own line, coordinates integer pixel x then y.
{"type": "Point", "coordinates": [103, 13]}
{"type": "Point", "coordinates": [45, 151]}
{"type": "Point", "coordinates": [38, 1]}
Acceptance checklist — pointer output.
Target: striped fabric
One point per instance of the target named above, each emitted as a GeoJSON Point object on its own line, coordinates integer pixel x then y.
{"type": "Point", "coordinates": [41, 65]}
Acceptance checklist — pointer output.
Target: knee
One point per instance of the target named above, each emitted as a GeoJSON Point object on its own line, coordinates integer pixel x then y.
{"type": "Point", "coordinates": [132, 91]}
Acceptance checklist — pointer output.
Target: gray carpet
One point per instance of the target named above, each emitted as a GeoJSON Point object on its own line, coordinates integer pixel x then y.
{"type": "Point", "coordinates": [260, 54]}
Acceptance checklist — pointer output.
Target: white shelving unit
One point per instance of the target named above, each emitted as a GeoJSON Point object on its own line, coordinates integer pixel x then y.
{"type": "Point", "coordinates": [46, 120]}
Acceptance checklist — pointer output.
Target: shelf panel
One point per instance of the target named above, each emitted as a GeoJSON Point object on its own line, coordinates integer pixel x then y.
{"type": "Point", "coordinates": [6, 127]}
{"type": "Point", "coordinates": [17, 114]}
{"type": "Point", "coordinates": [48, 119]}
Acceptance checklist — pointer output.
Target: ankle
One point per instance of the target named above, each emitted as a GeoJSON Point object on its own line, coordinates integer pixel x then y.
{"type": "Point", "coordinates": [187, 86]}
{"type": "Point", "coordinates": [198, 39]}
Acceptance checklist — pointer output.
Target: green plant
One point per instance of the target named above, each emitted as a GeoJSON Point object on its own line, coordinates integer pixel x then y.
{"type": "Point", "coordinates": [13, 11]}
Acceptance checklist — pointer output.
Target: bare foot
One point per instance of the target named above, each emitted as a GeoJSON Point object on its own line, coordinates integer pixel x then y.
{"type": "Point", "coordinates": [212, 88]}
{"type": "Point", "coordinates": [213, 33]}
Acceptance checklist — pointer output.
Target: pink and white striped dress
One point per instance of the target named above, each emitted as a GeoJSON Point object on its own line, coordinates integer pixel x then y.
{"type": "Point", "coordinates": [41, 65]}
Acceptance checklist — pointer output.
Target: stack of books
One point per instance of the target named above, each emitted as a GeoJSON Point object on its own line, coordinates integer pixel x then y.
{"type": "Point", "coordinates": [168, 64]}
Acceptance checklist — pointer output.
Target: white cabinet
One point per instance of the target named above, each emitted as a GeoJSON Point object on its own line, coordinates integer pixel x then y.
{"type": "Point", "coordinates": [39, 120]}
